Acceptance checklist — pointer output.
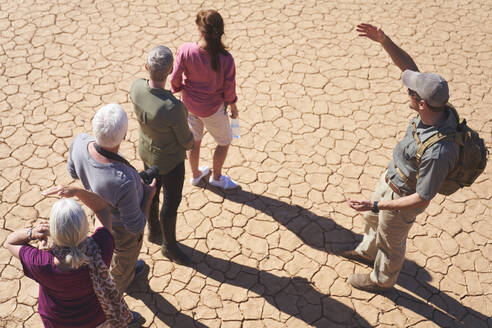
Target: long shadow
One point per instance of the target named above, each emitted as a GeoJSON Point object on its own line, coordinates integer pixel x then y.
{"type": "Point", "coordinates": [162, 309]}
{"type": "Point", "coordinates": [315, 231]}
{"type": "Point", "coordinates": [443, 310]}
{"type": "Point", "coordinates": [293, 296]}
{"type": "Point", "coordinates": [321, 233]}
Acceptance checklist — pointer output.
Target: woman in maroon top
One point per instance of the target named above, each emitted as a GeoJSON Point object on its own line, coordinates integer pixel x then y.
{"type": "Point", "coordinates": [75, 289]}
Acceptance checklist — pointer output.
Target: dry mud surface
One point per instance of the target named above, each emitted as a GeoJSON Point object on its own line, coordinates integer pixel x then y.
{"type": "Point", "coordinates": [321, 110]}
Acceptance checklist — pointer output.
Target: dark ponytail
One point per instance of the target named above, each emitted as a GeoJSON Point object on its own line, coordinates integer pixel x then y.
{"type": "Point", "coordinates": [211, 26]}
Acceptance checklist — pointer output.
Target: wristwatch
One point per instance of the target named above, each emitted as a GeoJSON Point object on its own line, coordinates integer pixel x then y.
{"type": "Point", "coordinates": [375, 208]}
{"type": "Point", "coordinates": [29, 233]}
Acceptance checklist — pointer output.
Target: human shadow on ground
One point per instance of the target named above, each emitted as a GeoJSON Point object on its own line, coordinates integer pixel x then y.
{"type": "Point", "coordinates": [161, 308]}
{"type": "Point", "coordinates": [316, 231]}
{"type": "Point", "coordinates": [442, 309]}
{"type": "Point", "coordinates": [322, 233]}
{"type": "Point", "coordinates": [293, 296]}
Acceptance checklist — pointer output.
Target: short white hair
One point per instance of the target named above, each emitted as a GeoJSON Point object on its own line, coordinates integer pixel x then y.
{"type": "Point", "coordinates": [68, 228]}
{"type": "Point", "coordinates": [109, 125]}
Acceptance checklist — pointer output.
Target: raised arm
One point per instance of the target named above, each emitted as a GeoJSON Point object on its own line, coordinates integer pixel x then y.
{"type": "Point", "coordinates": [93, 201]}
{"type": "Point", "coordinates": [398, 55]}
{"type": "Point", "coordinates": [21, 237]}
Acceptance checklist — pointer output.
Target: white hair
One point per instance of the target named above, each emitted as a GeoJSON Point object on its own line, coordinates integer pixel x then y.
{"type": "Point", "coordinates": [109, 125]}
{"type": "Point", "coordinates": [68, 228]}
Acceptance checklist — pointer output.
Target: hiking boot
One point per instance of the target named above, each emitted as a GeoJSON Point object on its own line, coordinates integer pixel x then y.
{"type": "Point", "coordinates": [155, 237]}
{"type": "Point", "coordinates": [170, 247]}
{"type": "Point", "coordinates": [364, 282]}
{"type": "Point", "coordinates": [176, 255]}
{"type": "Point", "coordinates": [351, 254]}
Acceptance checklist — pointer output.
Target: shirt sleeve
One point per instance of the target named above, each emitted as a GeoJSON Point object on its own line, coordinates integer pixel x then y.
{"type": "Point", "coordinates": [230, 96]}
{"type": "Point", "coordinates": [70, 165]}
{"type": "Point", "coordinates": [34, 261]}
{"type": "Point", "coordinates": [131, 215]}
{"type": "Point", "coordinates": [434, 168]}
{"type": "Point", "coordinates": [105, 240]}
{"type": "Point", "coordinates": [176, 77]}
{"type": "Point", "coordinates": [181, 128]}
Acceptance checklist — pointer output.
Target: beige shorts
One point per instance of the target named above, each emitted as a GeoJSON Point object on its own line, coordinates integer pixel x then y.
{"type": "Point", "coordinates": [217, 124]}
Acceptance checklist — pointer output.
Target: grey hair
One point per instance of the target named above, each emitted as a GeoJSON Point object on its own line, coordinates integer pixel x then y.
{"type": "Point", "coordinates": [159, 63]}
{"type": "Point", "coordinates": [68, 228]}
{"type": "Point", "coordinates": [109, 125]}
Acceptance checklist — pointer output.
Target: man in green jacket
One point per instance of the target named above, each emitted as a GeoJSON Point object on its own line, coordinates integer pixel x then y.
{"type": "Point", "coordinates": [163, 140]}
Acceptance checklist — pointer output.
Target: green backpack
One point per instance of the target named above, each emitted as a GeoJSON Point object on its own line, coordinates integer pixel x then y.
{"type": "Point", "coordinates": [471, 161]}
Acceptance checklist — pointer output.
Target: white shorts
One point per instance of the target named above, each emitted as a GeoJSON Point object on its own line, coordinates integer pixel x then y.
{"type": "Point", "coordinates": [217, 124]}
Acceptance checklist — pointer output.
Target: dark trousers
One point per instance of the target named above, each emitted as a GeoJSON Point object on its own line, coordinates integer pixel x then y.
{"type": "Point", "coordinates": [172, 190]}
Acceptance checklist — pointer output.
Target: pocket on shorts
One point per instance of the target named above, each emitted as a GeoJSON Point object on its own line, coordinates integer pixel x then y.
{"type": "Point", "coordinates": [222, 110]}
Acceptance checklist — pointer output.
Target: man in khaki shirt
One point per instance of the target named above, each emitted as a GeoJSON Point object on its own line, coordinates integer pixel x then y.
{"type": "Point", "coordinates": [163, 140]}
{"type": "Point", "coordinates": [406, 187]}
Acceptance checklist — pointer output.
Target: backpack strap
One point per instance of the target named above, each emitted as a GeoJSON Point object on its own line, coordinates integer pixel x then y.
{"type": "Point", "coordinates": [414, 132]}
{"type": "Point", "coordinates": [429, 142]}
{"type": "Point", "coordinates": [423, 147]}
{"type": "Point", "coordinates": [401, 174]}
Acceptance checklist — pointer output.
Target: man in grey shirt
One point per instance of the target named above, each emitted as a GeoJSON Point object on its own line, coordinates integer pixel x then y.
{"type": "Point", "coordinates": [119, 184]}
{"type": "Point", "coordinates": [406, 187]}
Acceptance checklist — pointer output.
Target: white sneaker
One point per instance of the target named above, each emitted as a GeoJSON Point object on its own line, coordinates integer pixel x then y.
{"type": "Point", "coordinates": [205, 170]}
{"type": "Point", "coordinates": [225, 182]}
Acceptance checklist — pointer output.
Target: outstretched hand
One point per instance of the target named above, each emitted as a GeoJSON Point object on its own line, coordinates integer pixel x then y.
{"type": "Point", "coordinates": [360, 205]}
{"type": "Point", "coordinates": [372, 32]}
{"type": "Point", "coordinates": [62, 191]}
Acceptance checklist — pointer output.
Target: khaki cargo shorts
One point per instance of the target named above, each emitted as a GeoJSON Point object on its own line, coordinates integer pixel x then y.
{"type": "Point", "coordinates": [217, 125]}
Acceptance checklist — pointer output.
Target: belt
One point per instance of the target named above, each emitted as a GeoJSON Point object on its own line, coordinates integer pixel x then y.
{"type": "Point", "coordinates": [393, 187]}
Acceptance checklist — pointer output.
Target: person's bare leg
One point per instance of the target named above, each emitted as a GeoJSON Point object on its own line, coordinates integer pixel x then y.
{"type": "Point", "coordinates": [194, 158]}
{"type": "Point", "coordinates": [220, 155]}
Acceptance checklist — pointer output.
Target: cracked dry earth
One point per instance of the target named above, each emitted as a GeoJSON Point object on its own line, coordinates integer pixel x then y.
{"type": "Point", "coordinates": [321, 110]}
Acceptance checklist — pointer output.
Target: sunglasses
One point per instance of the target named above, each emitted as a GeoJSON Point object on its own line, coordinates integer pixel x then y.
{"type": "Point", "coordinates": [414, 94]}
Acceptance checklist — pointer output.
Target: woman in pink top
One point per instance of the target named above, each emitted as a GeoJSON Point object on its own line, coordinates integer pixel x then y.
{"type": "Point", "coordinates": [205, 74]}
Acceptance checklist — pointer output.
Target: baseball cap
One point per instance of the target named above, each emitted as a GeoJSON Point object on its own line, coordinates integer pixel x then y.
{"type": "Point", "coordinates": [431, 87]}
{"type": "Point", "coordinates": [160, 59]}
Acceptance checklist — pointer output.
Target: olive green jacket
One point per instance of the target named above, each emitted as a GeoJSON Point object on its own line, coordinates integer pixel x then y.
{"type": "Point", "coordinates": [164, 133]}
